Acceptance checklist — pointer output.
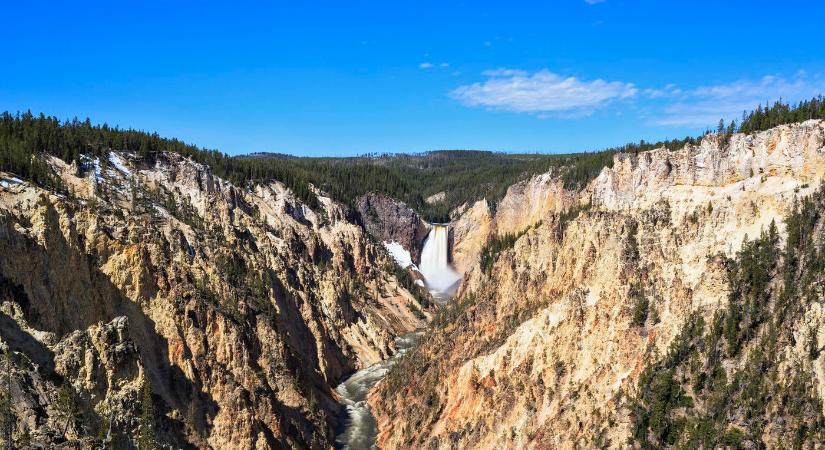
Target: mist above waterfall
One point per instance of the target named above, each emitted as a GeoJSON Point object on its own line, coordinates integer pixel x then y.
{"type": "Point", "coordinates": [440, 277]}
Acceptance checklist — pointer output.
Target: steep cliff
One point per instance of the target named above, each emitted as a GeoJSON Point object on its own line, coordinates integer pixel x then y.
{"type": "Point", "coordinates": [523, 205]}
{"type": "Point", "coordinates": [157, 300]}
{"type": "Point", "coordinates": [545, 347]}
{"type": "Point", "coordinates": [390, 220]}
{"type": "Point", "coordinates": [469, 233]}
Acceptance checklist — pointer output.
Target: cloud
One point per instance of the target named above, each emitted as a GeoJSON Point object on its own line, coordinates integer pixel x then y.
{"type": "Point", "coordinates": [705, 105]}
{"type": "Point", "coordinates": [504, 73]}
{"type": "Point", "coordinates": [542, 93]}
{"type": "Point", "coordinates": [669, 90]}
{"type": "Point", "coordinates": [429, 65]}
{"type": "Point", "coordinates": [547, 94]}
{"type": "Point", "coordinates": [593, 2]}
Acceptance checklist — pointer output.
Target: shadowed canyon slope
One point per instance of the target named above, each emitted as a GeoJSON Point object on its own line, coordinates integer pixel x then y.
{"type": "Point", "coordinates": [240, 308]}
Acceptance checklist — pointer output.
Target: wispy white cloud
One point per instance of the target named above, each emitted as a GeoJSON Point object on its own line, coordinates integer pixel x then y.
{"type": "Point", "coordinates": [668, 91]}
{"type": "Point", "coordinates": [430, 65]}
{"type": "Point", "coordinates": [547, 94]}
{"type": "Point", "coordinates": [542, 93]}
{"type": "Point", "coordinates": [593, 2]}
{"type": "Point", "coordinates": [502, 72]}
{"type": "Point", "coordinates": [705, 105]}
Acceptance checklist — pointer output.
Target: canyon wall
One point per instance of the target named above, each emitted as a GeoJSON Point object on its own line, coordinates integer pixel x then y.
{"type": "Point", "coordinates": [546, 347]}
{"type": "Point", "coordinates": [525, 204]}
{"type": "Point", "coordinates": [390, 220]}
{"type": "Point", "coordinates": [157, 297]}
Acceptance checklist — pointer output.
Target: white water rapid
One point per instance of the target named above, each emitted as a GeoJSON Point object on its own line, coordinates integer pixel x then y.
{"type": "Point", "coordinates": [442, 280]}
{"type": "Point", "coordinates": [359, 430]}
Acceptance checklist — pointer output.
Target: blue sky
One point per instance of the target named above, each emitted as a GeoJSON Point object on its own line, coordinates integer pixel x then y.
{"type": "Point", "coordinates": [337, 78]}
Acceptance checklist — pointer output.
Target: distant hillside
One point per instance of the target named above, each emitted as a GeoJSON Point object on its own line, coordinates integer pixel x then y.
{"type": "Point", "coordinates": [463, 175]}
{"type": "Point", "coordinates": [470, 175]}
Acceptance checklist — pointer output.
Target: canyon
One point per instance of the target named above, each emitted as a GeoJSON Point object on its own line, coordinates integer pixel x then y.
{"type": "Point", "coordinates": [154, 299]}
{"type": "Point", "coordinates": [545, 348]}
{"type": "Point", "coordinates": [237, 309]}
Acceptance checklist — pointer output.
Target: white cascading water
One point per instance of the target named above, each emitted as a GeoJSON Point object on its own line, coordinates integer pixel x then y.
{"type": "Point", "coordinates": [358, 427]}
{"type": "Point", "coordinates": [441, 279]}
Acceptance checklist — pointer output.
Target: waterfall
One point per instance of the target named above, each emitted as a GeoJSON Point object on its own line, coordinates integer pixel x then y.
{"type": "Point", "coordinates": [441, 279]}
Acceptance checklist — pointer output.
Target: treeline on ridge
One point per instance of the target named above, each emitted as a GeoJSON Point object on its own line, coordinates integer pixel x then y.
{"type": "Point", "coordinates": [464, 176]}
{"type": "Point", "coordinates": [24, 136]}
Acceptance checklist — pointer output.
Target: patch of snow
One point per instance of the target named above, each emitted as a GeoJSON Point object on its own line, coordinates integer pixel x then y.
{"type": "Point", "coordinates": [8, 182]}
{"type": "Point", "coordinates": [121, 189]}
{"type": "Point", "coordinates": [118, 162]}
{"type": "Point", "coordinates": [163, 212]}
{"type": "Point", "coordinates": [98, 170]}
{"type": "Point", "coordinates": [399, 253]}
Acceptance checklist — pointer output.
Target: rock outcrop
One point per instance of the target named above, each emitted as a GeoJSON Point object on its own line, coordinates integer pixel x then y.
{"type": "Point", "coordinates": [158, 296]}
{"type": "Point", "coordinates": [530, 201]}
{"type": "Point", "coordinates": [469, 234]}
{"type": "Point", "coordinates": [525, 204]}
{"type": "Point", "coordinates": [436, 198]}
{"type": "Point", "coordinates": [545, 348]}
{"type": "Point", "coordinates": [390, 220]}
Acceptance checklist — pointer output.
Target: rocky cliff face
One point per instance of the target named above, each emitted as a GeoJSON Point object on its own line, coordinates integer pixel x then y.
{"type": "Point", "coordinates": [530, 201]}
{"type": "Point", "coordinates": [390, 220]}
{"type": "Point", "coordinates": [160, 297]}
{"type": "Point", "coordinates": [546, 348]}
{"type": "Point", "coordinates": [525, 204]}
{"type": "Point", "coordinates": [469, 233]}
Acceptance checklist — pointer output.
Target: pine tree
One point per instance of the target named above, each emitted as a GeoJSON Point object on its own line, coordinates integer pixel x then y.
{"type": "Point", "coordinates": [8, 419]}
{"type": "Point", "coordinates": [68, 404]}
{"type": "Point", "coordinates": [731, 128]}
{"type": "Point", "coordinates": [105, 432]}
{"type": "Point", "coordinates": [146, 437]}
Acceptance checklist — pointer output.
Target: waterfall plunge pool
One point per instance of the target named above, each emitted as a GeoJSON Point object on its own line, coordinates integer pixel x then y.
{"type": "Point", "coordinates": [359, 429]}
{"type": "Point", "coordinates": [442, 280]}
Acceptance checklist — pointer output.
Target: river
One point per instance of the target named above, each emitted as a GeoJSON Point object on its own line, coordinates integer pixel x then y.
{"type": "Point", "coordinates": [359, 429]}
